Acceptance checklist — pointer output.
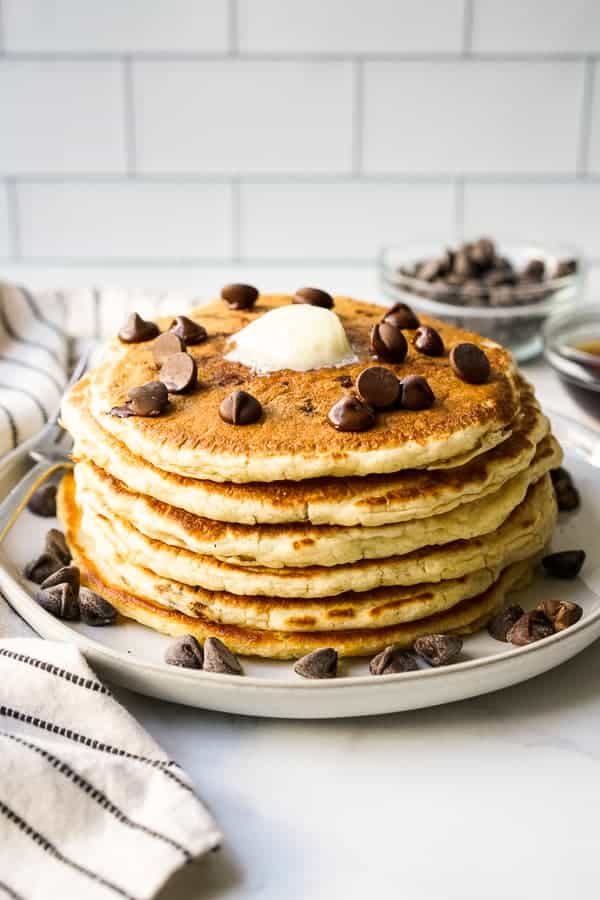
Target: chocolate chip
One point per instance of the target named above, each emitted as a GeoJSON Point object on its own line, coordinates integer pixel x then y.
{"type": "Point", "coordinates": [218, 658]}
{"type": "Point", "coordinates": [531, 627]}
{"type": "Point", "coordinates": [239, 296]}
{"type": "Point", "coordinates": [502, 296]}
{"type": "Point", "coordinates": [135, 330]}
{"type": "Point", "coordinates": [463, 266]}
{"type": "Point", "coordinates": [42, 567]}
{"type": "Point", "coordinates": [351, 413]}
{"type": "Point", "coordinates": [56, 545]}
{"type": "Point", "coordinates": [416, 393]}
{"type": "Point", "coordinates": [240, 408]}
{"type": "Point", "coordinates": [43, 501]}
{"type": "Point", "coordinates": [567, 495]}
{"type": "Point", "coordinates": [95, 610]}
{"type": "Point", "coordinates": [122, 412]}
{"type": "Point", "coordinates": [165, 346]}
{"type": "Point", "coordinates": [438, 649]}
{"type": "Point", "coordinates": [470, 363]}
{"type": "Point", "coordinates": [314, 297]}
{"type": "Point", "coordinates": [565, 564]}
{"type": "Point", "coordinates": [185, 652]}
{"type": "Point", "coordinates": [428, 341]}
{"type": "Point", "coordinates": [430, 269]}
{"type": "Point", "coordinates": [535, 270]}
{"type": "Point", "coordinates": [60, 601]}
{"type": "Point", "coordinates": [388, 342]}
{"type": "Point", "coordinates": [318, 664]}
{"type": "Point", "coordinates": [179, 373]}
{"type": "Point", "coordinates": [483, 252]}
{"type": "Point", "coordinates": [565, 267]}
{"type": "Point", "coordinates": [500, 624]}
{"type": "Point", "coordinates": [189, 331]}
{"type": "Point", "coordinates": [562, 613]}
{"type": "Point", "coordinates": [150, 399]}
{"type": "Point", "coordinates": [64, 575]}
{"type": "Point", "coordinates": [391, 661]}
{"type": "Point", "coordinates": [400, 315]}
{"type": "Point", "coordinates": [378, 387]}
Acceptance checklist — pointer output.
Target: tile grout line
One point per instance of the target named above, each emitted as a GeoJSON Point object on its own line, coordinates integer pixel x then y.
{"type": "Point", "coordinates": [171, 56]}
{"type": "Point", "coordinates": [235, 220]}
{"type": "Point", "coordinates": [585, 124]}
{"type": "Point", "coordinates": [13, 218]}
{"type": "Point", "coordinates": [357, 116]}
{"type": "Point", "coordinates": [467, 28]}
{"type": "Point", "coordinates": [129, 113]}
{"type": "Point", "coordinates": [233, 24]}
{"type": "Point", "coordinates": [516, 179]}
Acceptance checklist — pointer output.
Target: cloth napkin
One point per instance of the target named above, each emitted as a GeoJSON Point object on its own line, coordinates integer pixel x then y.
{"type": "Point", "coordinates": [90, 806]}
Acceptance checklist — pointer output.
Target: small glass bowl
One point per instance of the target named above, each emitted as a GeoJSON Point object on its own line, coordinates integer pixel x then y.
{"type": "Point", "coordinates": [578, 370]}
{"type": "Point", "coordinates": [517, 326]}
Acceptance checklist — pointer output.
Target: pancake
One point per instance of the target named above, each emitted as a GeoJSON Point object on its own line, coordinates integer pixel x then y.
{"type": "Point", "coordinates": [293, 440]}
{"type": "Point", "coordinates": [300, 545]}
{"type": "Point", "coordinates": [522, 534]}
{"type": "Point", "coordinates": [369, 500]}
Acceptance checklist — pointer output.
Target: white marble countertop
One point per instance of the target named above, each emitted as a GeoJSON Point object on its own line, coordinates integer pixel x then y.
{"type": "Point", "coordinates": [487, 799]}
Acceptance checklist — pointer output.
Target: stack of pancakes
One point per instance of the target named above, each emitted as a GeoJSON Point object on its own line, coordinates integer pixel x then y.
{"type": "Point", "coordinates": [287, 535]}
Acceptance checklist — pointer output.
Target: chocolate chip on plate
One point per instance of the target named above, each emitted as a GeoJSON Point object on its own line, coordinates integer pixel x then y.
{"type": "Point", "coordinates": [219, 658]}
{"type": "Point", "coordinates": [95, 610]}
{"type": "Point", "coordinates": [416, 393]}
{"type": "Point", "coordinates": [428, 341]}
{"type": "Point", "coordinates": [65, 575]}
{"type": "Point", "coordinates": [532, 626]}
{"type": "Point", "coordinates": [378, 387]}
{"type": "Point", "coordinates": [185, 652]}
{"type": "Point", "coordinates": [470, 363]}
{"type": "Point", "coordinates": [56, 545]}
{"type": "Point", "coordinates": [500, 624]}
{"type": "Point", "coordinates": [150, 399]}
{"type": "Point", "coordinates": [165, 346]}
{"type": "Point", "coordinates": [567, 495]}
{"type": "Point", "coordinates": [60, 601]}
{"type": "Point", "coordinates": [438, 649]}
{"type": "Point", "coordinates": [350, 413]}
{"type": "Point", "coordinates": [400, 315]}
{"type": "Point", "coordinates": [388, 342]}
{"type": "Point", "coordinates": [314, 297]}
{"type": "Point", "coordinates": [189, 331]}
{"type": "Point", "coordinates": [239, 296]}
{"type": "Point", "coordinates": [393, 660]}
{"type": "Point", "coordinates": [564, 564]}
{"type": "Point", "coordinates": [318, 664]}
{"type": "Point", "coordinates": [43, 501]}
{"type": "Point", "coordinates": [240, 408]}
{"type": "Point", "coordinates": [179, 373]}
{"type": "Point", "coordinates": [42, 567]}
{"type": "Point", "coordinates": [562, 613]}
{"type": "Point", "coordinates": [135, 330]}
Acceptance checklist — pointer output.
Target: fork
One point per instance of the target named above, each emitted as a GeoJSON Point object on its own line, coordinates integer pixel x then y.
{"type": "Point", "coordinates": [50, 453]}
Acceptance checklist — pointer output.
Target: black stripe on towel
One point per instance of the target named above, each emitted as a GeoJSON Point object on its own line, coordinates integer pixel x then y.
{"type": "Point", "coordinates": [6, 324]}
{"type": "Point", "coordinates": [53, 851]}
{"type": "Point", "coordinates": [38, 314]}
{"type": "Point", "coordinates": [14, 431]}
{"type": "Point", "coordinates": [10, 892]}
{"type": "Point", "coordinates": [78, 680]}
{"type": "Point", "coordinates": [35, 400]}
{"type": "Point", "coordinates": [93, 744]}
{"type": "Point", "coordinates": [96, 794]}
{"type": "Point", "coordinates": [27, 365]}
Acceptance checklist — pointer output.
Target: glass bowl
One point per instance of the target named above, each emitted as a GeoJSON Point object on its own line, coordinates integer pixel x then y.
{"type": "Point", "coordinates": [578, 368]}
{"type": "Point", "coordinates": [517, 326]}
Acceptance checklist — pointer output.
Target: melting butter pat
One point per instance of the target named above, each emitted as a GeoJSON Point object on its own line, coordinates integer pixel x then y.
{"type": "Point", "coordinates": [298, 336]}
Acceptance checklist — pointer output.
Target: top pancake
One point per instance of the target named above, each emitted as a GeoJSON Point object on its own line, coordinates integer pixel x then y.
{"type": "Point", "coordinates": [293, 440]}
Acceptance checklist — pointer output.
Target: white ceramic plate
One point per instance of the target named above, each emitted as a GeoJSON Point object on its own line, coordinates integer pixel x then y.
{"type": "Point", "coordinates": [131, 655]}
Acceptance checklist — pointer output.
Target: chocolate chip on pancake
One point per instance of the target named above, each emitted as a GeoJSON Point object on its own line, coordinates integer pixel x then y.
{"type": "Point", "coordinates": [122, 412]}
{"type": "Point", "coordinates": [240, 408]}
{"type": "Point", "coordinates": [56, 545]}
{"type": "Point", "coordinates": [135, 330]}
{"type": "Point", "coordinates": [378, 387]}
{"type": "Point", "coordinates": [239, 296]}
{"type": "Point", "coordinates": [351, 413]}
{"type": "Point", "coordinates": [314, 297]}
{"type": "Point", "coordinates": [470, 363]}
{"type": "Point", "coordinates": [438, 649]}
{"type": "Point", "coordinates": [165, 346]}
{"type": "Point", "coordinates": [562, 613]}
{"type": "Point", "coordinates": [416, 393]}
{"type": "Point", "coordinates": [189, 331]}
{"type": "Point", "coordinates": [150, 399]}
{"type": "Point", "coordinates": [185, 652]}
{"type": "Point", "coordinates": [42, 567]}
{"type": "Point", "coordinates": [219, 658]}
{"type": "Point", "coordinates": [500, 624]}
{"type": "Point", "coordinates": [43, 501]}
{"type": "Point", "coordinates": [65, 575]}
{"type": "Point", "coordinates": [388, 342]}
{"type": "Point", "coordinates": [401, 316]}
{"type": "Point", "coordinates": [60, 601]}
{"type": "Point", "coordinates": [531, 627]}
{"type": "Point", "coordinates": [564, 564]}
{"type": "Point", "coordinates": [391, 661]}
{"type": "Point", "coordinates": [428, 341]}
{"type": "Point", "coordinates": [179, 373]}
{"type": "Point", "coordinates": [95, 610]}
{"type": "Point", "coordinates": [318, 664]}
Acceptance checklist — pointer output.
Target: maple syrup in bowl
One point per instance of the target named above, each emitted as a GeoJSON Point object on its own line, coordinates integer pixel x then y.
{"type": "Point", "coordinates": [572, 348]}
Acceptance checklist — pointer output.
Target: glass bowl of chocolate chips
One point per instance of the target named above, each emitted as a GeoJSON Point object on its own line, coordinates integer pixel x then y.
{"type": "Point", "coordinates": [504, 291]}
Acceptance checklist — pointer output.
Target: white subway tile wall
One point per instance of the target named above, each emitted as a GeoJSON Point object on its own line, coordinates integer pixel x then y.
{"type": "Point", "coordinates": [241, 130]}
